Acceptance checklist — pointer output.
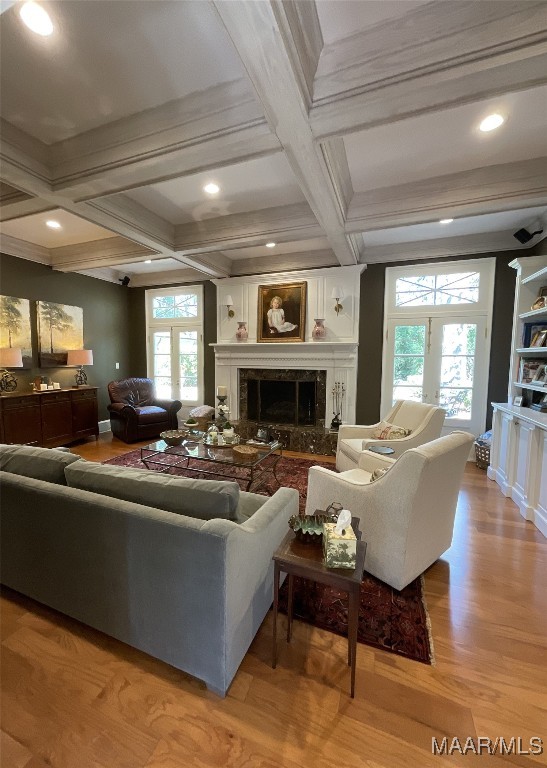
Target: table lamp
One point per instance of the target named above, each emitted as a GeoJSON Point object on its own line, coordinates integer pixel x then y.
{"type": "Point", "coordinates": [10, 357]}
{"type": "Point", "coordinates": [80, 357]}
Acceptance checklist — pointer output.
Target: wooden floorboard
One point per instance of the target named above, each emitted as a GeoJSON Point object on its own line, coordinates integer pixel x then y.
{"type": "Point", "coordinates": [75, 698]}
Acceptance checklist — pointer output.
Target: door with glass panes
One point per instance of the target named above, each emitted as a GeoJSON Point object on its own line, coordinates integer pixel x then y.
{"type": "Point", "coordinates": [439, 360]}
{"type": "Point", "coordinates": [176, 360]}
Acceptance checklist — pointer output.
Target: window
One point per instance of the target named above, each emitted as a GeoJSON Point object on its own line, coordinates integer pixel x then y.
{"type": "Point", "coordinates": [437, 339]}
{"type": "Point", "coordinates": [427, 290]}
{"type": "Point", "coordinates": [175, 349]}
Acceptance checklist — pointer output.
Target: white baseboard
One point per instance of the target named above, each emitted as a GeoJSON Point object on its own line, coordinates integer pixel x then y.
{"type": "Point", "coordinates": [104, 426]}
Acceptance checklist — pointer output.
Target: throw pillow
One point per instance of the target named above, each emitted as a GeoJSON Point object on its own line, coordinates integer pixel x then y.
{"type": "Point", "coordinates": [387, 431]}
{"type": "Point", "coordinates": [204, 499]}
{"type": "Point", "coordinates": [39, 463]}
{"type": "Point", "coordinates": [378, 473]}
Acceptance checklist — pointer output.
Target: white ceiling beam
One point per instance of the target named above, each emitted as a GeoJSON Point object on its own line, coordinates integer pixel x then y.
{"type": "Point", "coordinates": [14, 203]}
{"type": "Point", "coordinates": [493, 188]}
{"type": "Point", "coordinates": [465, 52]}
{"type": "Point", "coordinates": [283, 224]}
{"type": "Point", "coordinates": [210, 264]}
{"type": "Point", "coordinates": [444, 89]}
{"type": "Point", "coordinates": [208, 129]}
{"type": "Point", "coordinates": [266, 46]}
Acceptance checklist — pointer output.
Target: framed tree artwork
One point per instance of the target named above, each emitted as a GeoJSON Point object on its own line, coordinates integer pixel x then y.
{"type": "Point", "coordinates": [281, 312]}
{"type": "Point", "coordinates": [60, 328]}
{"type": "Point", "coordinates": [15, 327]}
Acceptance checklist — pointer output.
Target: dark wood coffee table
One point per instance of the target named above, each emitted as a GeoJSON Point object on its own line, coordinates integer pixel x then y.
{"type": "Point", "coordinates": [306, 560]}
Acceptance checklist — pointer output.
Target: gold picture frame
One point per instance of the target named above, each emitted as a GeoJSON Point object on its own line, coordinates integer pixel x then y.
{"type": "Point", "coordinates": [281, 312]}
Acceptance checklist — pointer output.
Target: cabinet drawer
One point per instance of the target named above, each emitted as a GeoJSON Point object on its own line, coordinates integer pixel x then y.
{"type": "Point", "coordinates": [85, 394]}
{"type": "Point", "coordinates": [55, 397]}
{"type": "Point", "coordinates": [23, 401]}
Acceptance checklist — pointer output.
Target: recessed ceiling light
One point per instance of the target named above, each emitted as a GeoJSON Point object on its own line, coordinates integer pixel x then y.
{"type": "Point", "coordinates": [211, 189]}
{"type": "Point", "coordinates": [270, 245]}
{"type": "Point", "coordinates": [36, 18]}
{"type": "Point", "coordinates": [491, 122]}
{"type": "Point", "coordinates": [148, 261]}
{"type": "Point", "coordinates": [446, 221]}
{"type": "Point", "coordinates": [53, 224]}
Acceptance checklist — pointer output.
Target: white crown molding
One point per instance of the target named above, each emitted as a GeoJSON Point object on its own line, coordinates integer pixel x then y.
{"type": "Point", "coordinates": [262, 46]}
{"type": "Point", "coordinates": [492, 242]}
{"type": "Point", "coordinates": [173, 277]}
{"type": "Point", "coordinates": [105, 274]}
{"type": "Point", "coordinates": [221, 125]}
{"type": "Point", "coordinates": [24, 161]}
{"type": "Point", "coordinates": [490, 189]}
{"type": "Point", "coordinates": [334, 272]}
{"type": "Point", "coordinates": [24, 250]}
{"type": "Point", "coordinates": [285, 223]}
{"type": "Point", "coordinates": [286, 262]}
{"type": "Point", "coordinates": [452, 36]}
{"type": "Point", "coordinates": [134, 220]}
{"type": "Point", "coordinates": [108, 252]}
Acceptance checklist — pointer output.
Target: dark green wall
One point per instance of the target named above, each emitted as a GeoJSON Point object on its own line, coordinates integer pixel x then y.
{"type": "Point", "coordinates": [106, 321]}
{"type": "Point", "coordinates": [137, 342]}
{"type": "Point", "coordinates": [369, 369]}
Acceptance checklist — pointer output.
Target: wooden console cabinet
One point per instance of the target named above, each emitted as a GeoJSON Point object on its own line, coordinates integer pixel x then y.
{"type": "Point", "coordinates": [52, 418]}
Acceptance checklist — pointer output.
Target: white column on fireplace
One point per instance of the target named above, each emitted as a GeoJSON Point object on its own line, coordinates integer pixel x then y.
{"type": "Point", "coordinates": [338, 359]}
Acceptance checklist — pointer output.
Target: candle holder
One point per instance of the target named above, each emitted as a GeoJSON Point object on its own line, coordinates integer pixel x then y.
{"type": "Point", "coordinates": [223, 411]}
{"type": "Point", "coordinates": [338, 394]}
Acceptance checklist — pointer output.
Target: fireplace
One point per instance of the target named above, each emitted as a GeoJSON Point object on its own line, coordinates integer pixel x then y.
{"type": "Point", "coordinates": [289, 397]}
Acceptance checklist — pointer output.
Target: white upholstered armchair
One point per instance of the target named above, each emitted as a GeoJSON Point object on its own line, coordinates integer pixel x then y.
{"type": "Point", "coordinates": [407, 515]}
{"type": "Point", "coordinates": [425, 422]}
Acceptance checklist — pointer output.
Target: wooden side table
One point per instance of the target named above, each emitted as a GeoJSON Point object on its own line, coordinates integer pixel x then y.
{"type": "Point", "coordinates": [306, 560]}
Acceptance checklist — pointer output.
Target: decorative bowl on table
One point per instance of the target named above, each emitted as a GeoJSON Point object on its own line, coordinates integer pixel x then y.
{"type": "Point", "coordinates": [308, 529]}
{"type": "Point", "coordinates": [191, 424]}
{"type": "Point", "coordinates": [173, 436]}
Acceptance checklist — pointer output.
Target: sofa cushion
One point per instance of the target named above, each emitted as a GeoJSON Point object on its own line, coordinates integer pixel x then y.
{"type": "Point", "coordinates": [387, 431]}
{"type": "Point", "coordinates": [39, 463]}
{"type": "Point", "coordinates": [204, 499]}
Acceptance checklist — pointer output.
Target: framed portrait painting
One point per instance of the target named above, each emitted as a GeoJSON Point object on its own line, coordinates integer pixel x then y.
{"type": "Point", "coordinates": [281, 312]}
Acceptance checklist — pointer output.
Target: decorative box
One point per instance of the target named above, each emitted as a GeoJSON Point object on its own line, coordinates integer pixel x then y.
{"type": "Point", "coordinates": [339, 551]}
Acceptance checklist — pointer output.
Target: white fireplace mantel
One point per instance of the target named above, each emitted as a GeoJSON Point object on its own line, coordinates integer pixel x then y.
{"type": "Point", "coordinates": [338, 359]}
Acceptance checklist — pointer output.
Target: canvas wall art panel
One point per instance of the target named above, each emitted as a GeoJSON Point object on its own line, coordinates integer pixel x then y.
{"type": "Point", "coordinates": [15, 326]}
{"type": "Point", "coordinates": [60, 328]}
{"type": "Point", "coordinates": [281, 312]}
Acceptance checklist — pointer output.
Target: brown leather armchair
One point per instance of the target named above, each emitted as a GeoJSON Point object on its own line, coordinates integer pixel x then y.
{"type": "Point", "coordinates": [136, 413]}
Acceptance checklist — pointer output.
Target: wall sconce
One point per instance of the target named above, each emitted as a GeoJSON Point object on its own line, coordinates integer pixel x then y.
{"type": "Point", "coordinates": [229, 303]}
{"type": "Point", "coordinates": [9, 358]}
{"type": "Point", "coordinates": [337, 294]}
{"type": "Point", "coordinates": [80, 357]}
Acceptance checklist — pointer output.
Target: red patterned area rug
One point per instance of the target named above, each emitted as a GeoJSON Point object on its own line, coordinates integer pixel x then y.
{"type": "Point", "coordinates": [391, 621]}
{"type": "Point", "coordinates": [291, 473]}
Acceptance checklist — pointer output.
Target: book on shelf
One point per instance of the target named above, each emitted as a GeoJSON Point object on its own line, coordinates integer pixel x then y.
{"type": "Point", "coordinates": [541, 407]}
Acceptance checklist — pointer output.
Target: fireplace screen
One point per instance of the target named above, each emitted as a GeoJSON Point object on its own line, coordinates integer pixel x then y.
{"type": "Point", "coordinates": [283, 397]}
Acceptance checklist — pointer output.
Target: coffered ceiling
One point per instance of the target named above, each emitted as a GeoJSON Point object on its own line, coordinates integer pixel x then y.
{"type": "Point", "coordinates": [342, 131]}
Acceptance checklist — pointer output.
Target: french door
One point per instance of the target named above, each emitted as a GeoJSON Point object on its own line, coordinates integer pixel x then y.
{"type": "Point", "coordinates": [439, 360]}
{"type": "Point", "coordinates": [176, 357]}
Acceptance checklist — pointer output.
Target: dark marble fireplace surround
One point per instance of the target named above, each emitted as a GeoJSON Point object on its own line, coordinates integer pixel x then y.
{"type": "Point", "coordinates": [299, 402]}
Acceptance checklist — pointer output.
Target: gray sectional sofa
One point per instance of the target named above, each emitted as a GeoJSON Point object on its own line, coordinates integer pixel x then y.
{"type": "Point", "coordinates": [180, 569]}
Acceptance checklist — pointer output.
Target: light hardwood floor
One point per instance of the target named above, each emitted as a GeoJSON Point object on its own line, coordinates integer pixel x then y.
{"type": "Point", "coordinates": [74, 698]}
